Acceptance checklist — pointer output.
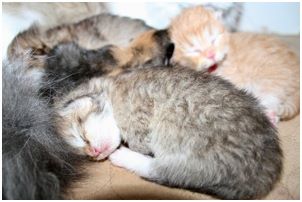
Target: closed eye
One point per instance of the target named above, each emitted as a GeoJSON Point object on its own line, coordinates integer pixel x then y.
{"type": "Point", "coordinates": [194, 52]}
{"type": "Point", "coordinates": [82, 132]}
{"type": "Point", "coordinates": [148, 62]}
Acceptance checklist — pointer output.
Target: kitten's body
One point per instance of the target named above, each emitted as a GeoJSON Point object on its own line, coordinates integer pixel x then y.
{"type": "Point", "coordinates": [204, 134]}
{"type": "Point", "coordinates": [18, 16]}
{"type": "Point", "coordinates": [68, 65]}
{"type": "Point", "coordinates": [92, 33]}
{"type": "Point", "coordinates": [36, 162]}
{"type": "Point", "coordinates": [218, 136]}
{"type": "Point", "coordinates": [260, 64]}
{"type": "Point", "coordinates": [268, 69]}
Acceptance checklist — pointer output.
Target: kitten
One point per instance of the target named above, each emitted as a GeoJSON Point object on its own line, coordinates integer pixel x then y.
{"type": "Point", "coordinates": [68, 65]}
{"type": "Point", "coordinates": [219, 140]}
{"type": "Point", "coordinates": [91, 33]}
{"type": "Point", "coordinates": [259, 64]}
{"type": "Point", "coordinates": [18, 16]}
{"type": "Point", "coordinates": [36, 161]}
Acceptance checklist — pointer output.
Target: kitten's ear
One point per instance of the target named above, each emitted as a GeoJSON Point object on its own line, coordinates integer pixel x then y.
{"type": "Point", "coordinates": [104, 102]}
{"type": "Point", "coordinates": [169, 53]}
{"type": "Point", "coordinates": [218, 15]}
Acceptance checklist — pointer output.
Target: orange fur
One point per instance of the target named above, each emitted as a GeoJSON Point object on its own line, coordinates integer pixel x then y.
{"type": "Point", "coordinates": [140, 49]}
{"type": "Point", "coordinates": [259, 63]}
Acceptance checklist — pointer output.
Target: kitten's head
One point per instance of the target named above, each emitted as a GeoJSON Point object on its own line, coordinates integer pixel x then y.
{"type": "Point", "coordinates": [87, 124]}
{"type": "Point", "coordinates": [201, 41]}
{"type": "Point", "coordinates": [150, 49]}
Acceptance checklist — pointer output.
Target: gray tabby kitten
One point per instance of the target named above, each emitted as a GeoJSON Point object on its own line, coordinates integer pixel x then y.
{"type": "Point", "coordinates": [184, 129]}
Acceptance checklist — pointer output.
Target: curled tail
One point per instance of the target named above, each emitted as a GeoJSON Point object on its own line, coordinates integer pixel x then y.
{"type": "Point", "coordinates": [36, 162]}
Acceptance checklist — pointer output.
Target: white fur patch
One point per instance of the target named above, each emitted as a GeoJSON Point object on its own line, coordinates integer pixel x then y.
{"type": "Point", "coordinates": [133, 161]}
{"type": "Point", "coordinates": [102, 131]}
{"type": "Point", "coordinates": [269, 101]}
{"type": "Point", "coordinates": [76, 140]}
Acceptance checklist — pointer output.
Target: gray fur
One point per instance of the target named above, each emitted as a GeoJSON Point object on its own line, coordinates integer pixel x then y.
{"type": "Point", "coordinates": [205, 135]}
{"type": "Point", "coordinates": [230, 16]}
{"type": "Point", "coordinates": [91, 33]}
{"type": "Point", "coordinates": [36, 162]}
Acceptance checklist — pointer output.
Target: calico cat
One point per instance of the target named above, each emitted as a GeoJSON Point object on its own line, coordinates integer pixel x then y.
{"type": "Point", "coordinates": [260, 64]}
{"type": "Point", "coordinates": [91, 33]}
{"type": "Point", "coordinates": [220, 141]}
{"type": "Point", "coordinates": [68, 65]}
{"type": "Point", "coordinates": [36, 161]}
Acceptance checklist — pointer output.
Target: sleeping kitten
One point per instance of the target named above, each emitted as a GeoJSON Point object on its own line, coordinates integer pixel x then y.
{"type": "Point", "coordinates": [260, 64]}
{"type": "Point", "coordinates": [68, 65]}
{"type": "Point", "coordinates": [220, 141]}
{"type": "Point", "coordinates": [91, 33]}
{"type": "Point", "coordinates": [18, 16]}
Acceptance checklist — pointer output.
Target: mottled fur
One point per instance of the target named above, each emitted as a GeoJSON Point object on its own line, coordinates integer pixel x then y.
{"type": "Point", "coordinates": [258, 63]}
{"type": "Point", "coordinates": [69, 65]}
{"type": "Point", "coordinates": [36, 162]}
{"type": "Point", "coordinates": [204, 134]}
{"type": "Point", "coordinates": [219, 139]}
{"type": "Point", "coordinates": [91, 33]}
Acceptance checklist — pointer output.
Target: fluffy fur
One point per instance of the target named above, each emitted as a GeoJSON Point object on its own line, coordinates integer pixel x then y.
{"type": "Point", "coordinates": [36, 162]}
{"type": "Point", "coordinates": [260, 64]}
{"type": "Point", "coordinates": [220, 141]}
{"type": "Point", "coordinates": [91, 33]}
{"type": "Point", "coordinates": [69, 65]}
{"type": "Point", "coordinates": [18, 16]}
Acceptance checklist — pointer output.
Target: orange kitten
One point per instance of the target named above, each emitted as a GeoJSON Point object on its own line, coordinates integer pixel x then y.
{"type": "Point", "coordinates": [261, 64]}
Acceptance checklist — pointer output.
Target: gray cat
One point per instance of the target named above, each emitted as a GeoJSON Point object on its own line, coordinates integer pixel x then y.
{"type": "Point", "coordinates": [36, 162]}
{"type": "Point", "coordinates": [184, 129]}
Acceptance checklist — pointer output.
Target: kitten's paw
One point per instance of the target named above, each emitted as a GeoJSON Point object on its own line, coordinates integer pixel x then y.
{"type": "Point", "coordinates": [274, 119]}
{"type": "Point", "coordinates": [133, 161]}
{"type": "Point", "coordinates": [119, 157]}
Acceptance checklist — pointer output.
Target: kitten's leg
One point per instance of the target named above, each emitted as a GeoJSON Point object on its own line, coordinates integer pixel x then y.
{"type": "Point", "coordinates": [133, 161]}
{"type": "Point", "coordinates": [274, 119]}
{"type": "Point", "coordinates": [271, 103]}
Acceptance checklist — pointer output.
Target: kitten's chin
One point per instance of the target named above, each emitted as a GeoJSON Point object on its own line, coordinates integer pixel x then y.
{"type": "Point", "coordinates": [103, 156]}
{"type": "Point", "coordinates": [205, 65]}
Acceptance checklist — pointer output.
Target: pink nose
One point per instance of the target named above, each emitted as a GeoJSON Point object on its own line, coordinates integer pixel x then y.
{"type": "Point", "coordinates": [96, 151]}
{"type": "Point", "coordinates": [211, 55]}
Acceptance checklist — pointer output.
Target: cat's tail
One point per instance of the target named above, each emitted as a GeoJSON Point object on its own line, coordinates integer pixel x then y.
{"type": "Point", "coordinates": [36, 162]}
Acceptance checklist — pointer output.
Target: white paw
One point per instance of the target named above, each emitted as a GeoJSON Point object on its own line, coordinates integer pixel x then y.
{"type": "Point", "coordinates": [133, 161]}
{"type": "Point", "coordinates": [119, 157]}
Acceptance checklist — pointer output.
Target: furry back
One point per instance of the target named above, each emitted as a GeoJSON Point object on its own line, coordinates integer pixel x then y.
{"type": "Point", "coordinates": [36, 163]}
